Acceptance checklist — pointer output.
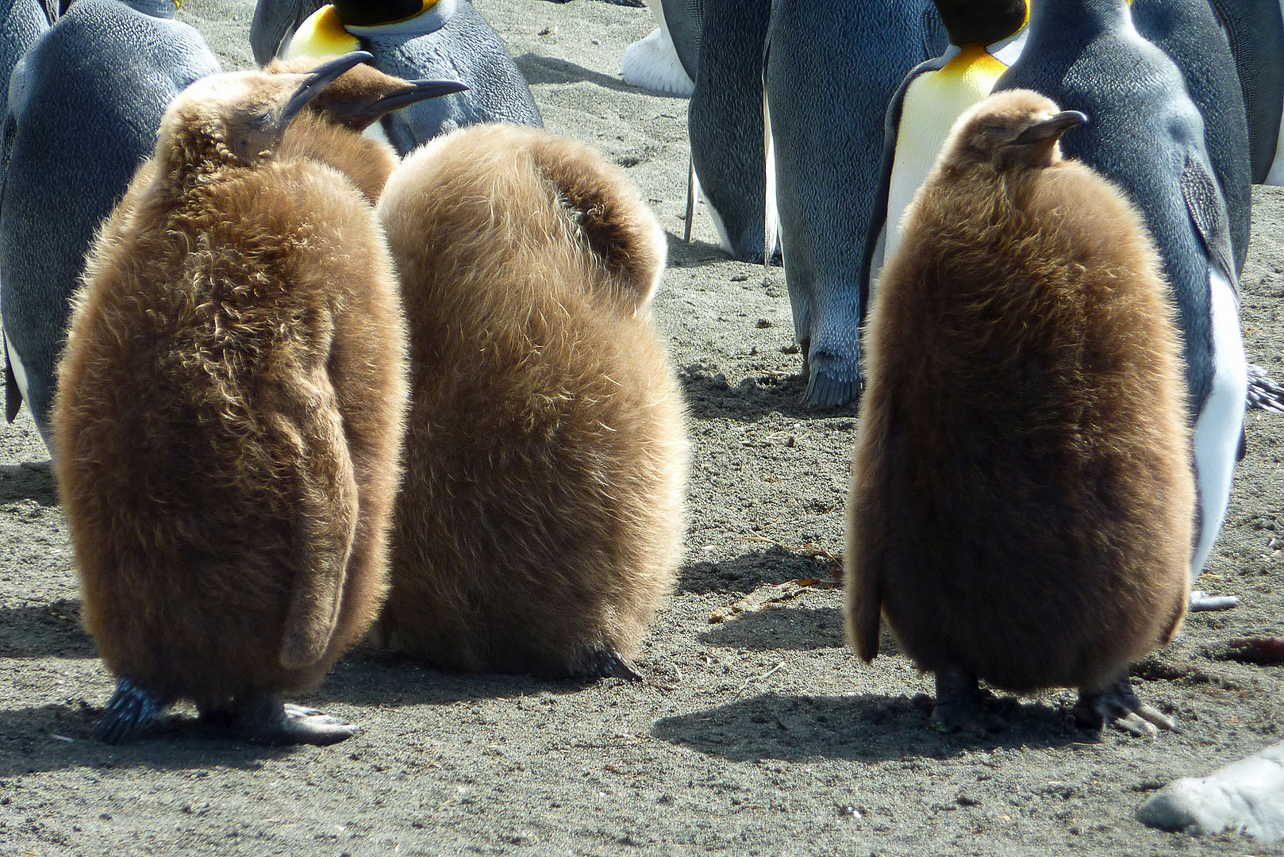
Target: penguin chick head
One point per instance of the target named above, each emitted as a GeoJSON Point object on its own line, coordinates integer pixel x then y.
{"type": "Point", "coordinates": [1016, 129]}
{"type": "Point", "coordinates": [361, 95]}
{"type": "Point", "coordinates": [240, 117]}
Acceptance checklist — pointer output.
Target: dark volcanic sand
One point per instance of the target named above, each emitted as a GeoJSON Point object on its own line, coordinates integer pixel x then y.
{"type": "Point", "coordinates": [762, 734]}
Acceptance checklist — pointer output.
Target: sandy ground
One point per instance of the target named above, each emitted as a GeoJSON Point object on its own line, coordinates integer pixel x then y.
{"type": "Point", "coordinates": [761, 734]}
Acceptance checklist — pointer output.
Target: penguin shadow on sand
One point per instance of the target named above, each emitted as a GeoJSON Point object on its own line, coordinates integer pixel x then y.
{"type": "Point", "coordinates": [58, 736]}
{"type": "Point", "coordinates": [386, 678]}
{"type": "Point", "coordinates": [537, 69]}
{"type": "Point", "coordinates": [745, 573]}
{"type": "Point", "coordinates": [28, 482]}
{"type": "Point", "coordinates": [789, 627]}
{"type": "Point", "coordinates": [854, 728]}
{"type": "Point", "coordinates": [710, 395]}
{"type": "Point", "coordinates": [44, 630]}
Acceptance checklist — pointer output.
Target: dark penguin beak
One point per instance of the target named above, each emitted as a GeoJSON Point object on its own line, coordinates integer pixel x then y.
{"type": "Point", "coordinates": [1052, 128]}
{"type": "Point", "coordinates": [420, 90]}
{"type": "Point", "coordinates": [319, 79]}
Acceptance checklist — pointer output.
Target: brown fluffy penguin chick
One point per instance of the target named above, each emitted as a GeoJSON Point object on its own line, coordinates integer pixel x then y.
{"type": "Point", "coordinates": [1022, 497]}
{"type": "Point", "coordinates": [539, 525]}
{"type": "Point", "coordinates": [229, 417]}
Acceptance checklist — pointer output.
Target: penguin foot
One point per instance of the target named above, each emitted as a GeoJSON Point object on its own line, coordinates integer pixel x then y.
{"type": "Point", "coordinates": [260, 718]}
{"type": "Point", "coordinates": [1201, 602]}
{"type": "Point", "coordinates": [609, 663]}
{"type": "Point", "coordinates": [960, 705]}
{"type": "Point", "coordinates": [130, 710]}
{"type": "Point", "coordinates": [1118, 704]}
{"type": "Point", "coordinates": [1264, 392]}
{"type": "Point", "coordinates": [832, 381]}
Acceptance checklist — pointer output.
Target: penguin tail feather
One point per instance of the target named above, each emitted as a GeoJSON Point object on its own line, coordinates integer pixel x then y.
{"type": "Point", "coordinates": [130, 711]}
{"type": "Point", "coordinates": [1264, 392]}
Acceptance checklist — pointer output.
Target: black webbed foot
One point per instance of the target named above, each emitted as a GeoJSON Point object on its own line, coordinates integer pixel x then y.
{"type": "Point", "coordinates": [261, 718]}
{"type": "Point", "coordinates": [960, 705]}
{"type": "Point", "coordinates": [130, 711]}
{"type": "Point", "coordinates": [1119, 705]}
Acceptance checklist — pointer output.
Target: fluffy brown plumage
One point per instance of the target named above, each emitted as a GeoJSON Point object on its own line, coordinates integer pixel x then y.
{"type": "Point", "coordinates": [539, 525]}
{"type": "Point", "coordinates": [231, 406]}
{"type": "Point", "coordinates": [1021, 497]}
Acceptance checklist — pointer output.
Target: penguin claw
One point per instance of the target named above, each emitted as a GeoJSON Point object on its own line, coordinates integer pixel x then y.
{"type": "Point", "coordinates": [611, 664]}
{"type": "Point", "coordinates": [1118, 704]}
{"type": "Point", "coordinates": [1264, 392]}
{"type": "Point", "coordinates": [130, 711]}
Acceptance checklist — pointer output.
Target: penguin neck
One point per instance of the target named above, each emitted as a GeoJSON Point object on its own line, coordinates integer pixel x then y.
{"type": "Point", "coordinates": [1052, 19]}
{"type": "Point", "coordinates": [155, 8]}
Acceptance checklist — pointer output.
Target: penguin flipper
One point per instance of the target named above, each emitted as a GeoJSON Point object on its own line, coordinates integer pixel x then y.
{"type": "Point", "coordinates": [1207, 210]}
{"type": "Point", "coordinates": [325, 519]}
{"type": "Point", "coordinates": [1264, 392]}
{"type": "Point", "coordinates": [130, 710]}
{"type": "Point", "coordinates": [878, 216]}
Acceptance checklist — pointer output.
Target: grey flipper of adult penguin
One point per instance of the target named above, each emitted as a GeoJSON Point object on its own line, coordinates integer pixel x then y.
{"type": "Point", "coordinates": [1189, 32]}
{"type": "Point", "coordinates": [446, 39]}
{"type": "Point", "coordinates": [21, 24]}
{"type": "Point", "coordinates": [828, 142]}
{"type": "Point", "coordinates": [77, 136]}
{"type": "Point", "coordinates": [986, 38]}
{"type": "Point", "coordinates": [1256, 32]}
{"type": "Point", "coordinates": [1146, 134]}
{"type": "Point", "coordinates": [725, 125]}
{"type": "Point", "coordinates": [274, 22]}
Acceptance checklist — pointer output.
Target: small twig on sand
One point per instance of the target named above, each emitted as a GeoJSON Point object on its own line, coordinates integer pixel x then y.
{"type": "Point", "coordinates": [752, 679]}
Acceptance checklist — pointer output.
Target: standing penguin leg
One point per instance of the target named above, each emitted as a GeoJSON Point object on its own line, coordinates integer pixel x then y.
{"type": "Point", "coordinates": [960, 704]}
{"type": "Point", "coordinates": [1116, 702]}
{"type": "Point", "coordinates": [608, 663]}
{"type": "Point", "coordinates": [260, 717]}
{"type": "Point", "coordinates": [131, 710]}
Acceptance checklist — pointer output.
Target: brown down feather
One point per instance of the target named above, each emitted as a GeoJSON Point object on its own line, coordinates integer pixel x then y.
{"type": "Point", "coordinates": [541, 517]}
{"type": "Point", "coordinates": [1021, 499]}
{"type": "Point", "coordinates": [231, 405]}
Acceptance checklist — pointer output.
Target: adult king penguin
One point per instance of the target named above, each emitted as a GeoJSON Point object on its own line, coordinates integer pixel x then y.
{"type": "Point", "coordinates": [1146, 135]}
{"type": "Point", "coordinates": [985, 37]}
{"type": "Point", "coordinates": [414, 39]}
{"type": "Point", "coordinates": [827, 140]}
{"type": "Point", "coordinates": [84, 106]}
{"type": "Point", "coordinates": [1256, 32]}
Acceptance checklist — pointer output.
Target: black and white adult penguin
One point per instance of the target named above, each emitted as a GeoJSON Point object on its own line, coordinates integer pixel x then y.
{"type": "Point", "coordinates": [830, 74]}
{"type": "Point", "coordinates": [1146, 134]}
{"type": "Point", "coordinates": [1188, 31]}
{"type": "Point", "coordinates": [84, 106]}
{"type": "Point", "coordinates": [1256, 32]}
{"type": "Point", "coordinates": [985, 37]}
{"type": "Point", "coordinates": [413, 39]}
